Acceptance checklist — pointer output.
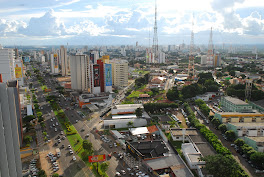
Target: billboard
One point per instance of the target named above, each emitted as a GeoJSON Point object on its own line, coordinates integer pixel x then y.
{"type": "Point", "coordinates": [96, 73]}
{"type": "Point", "coordinates": [18, 72]}
{"type": "Point", "coordinates": [26, 59]}
{"type": "Point", "coordinates": [97, 158]}
{"type": "Point", "coordinates": [108, 75]}
{"type": "Point", "coordinates": [55, 59]}
{"type": "Point", "coordinates": [92, 57]}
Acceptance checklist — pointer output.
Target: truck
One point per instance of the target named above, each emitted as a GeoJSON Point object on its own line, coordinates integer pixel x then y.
{"type": "Point", "coordinates": [58, 152]}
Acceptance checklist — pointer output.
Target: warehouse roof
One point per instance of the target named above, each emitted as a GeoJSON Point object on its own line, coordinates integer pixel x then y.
{"type": "Point", "coordinates": [139, 130]}
{"type": "Point", "coordinates": [235, 100]}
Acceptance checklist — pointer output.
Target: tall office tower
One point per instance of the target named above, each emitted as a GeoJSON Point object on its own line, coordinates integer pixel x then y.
{"type": "Point", "coordinates": [217, 60]}
{"type": "Point", "coordinates": [123, 51]}
{"type": "Point", "coordinates": [7, 60]}
{"type": "Point", "coordinates": [80, 72]}
{"type": "Point", "coordinates": [54, 63]}
{"type": "Point", "coordinates": [150, 58]}
{"type": "Point", "coordinates": [210, 53]}
{"type": "Point", "coordinates": [155, 37]}
{"type": "Point", "coordinates": [94, 56]}
{"type": "Point", "coordinates": [10, 162]}
{"type": "Point", "coordinates": [119, 73]}
{"type": "Point", "coordinates": [191, 56]}
{"type": "Point", "coordinates": [162, 57]}
{"type": "Point", "coordinates": [64, 61]}
{"type": "Point", "coordinates": [19, 71]}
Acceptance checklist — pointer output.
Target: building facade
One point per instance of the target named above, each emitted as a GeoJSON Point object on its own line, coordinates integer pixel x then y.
{"type": "Point", "coordinates": [236, 117]}
{"type": "Point", "coordinates": [247, 129]}
{"type": "Point", "coordinates": [10, 162]}
{"type": "Point", "coordinates": [119, 73]}
{"type": "Point", "coordinates": [64, 61]}
{"type": "Point", "coordinates": [7, 61]}
{"type": "Point", "coordinates": [54, 61]}
{"type": "Point", "coordinates": [230, 104]}
{"type": "Point", "coordinates": [80, 73]}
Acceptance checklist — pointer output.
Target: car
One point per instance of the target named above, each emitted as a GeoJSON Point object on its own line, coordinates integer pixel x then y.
{"type": "Point", "coordinates": [71, 152]}
{"type": "Point", "coordinates": [58, 137]}
{"type": "Point", "coordinates": [109, 155]}
{"type": "Point", "coordinates": [123, 172]}
{"type": "Point", "coordinates": [131, 174]}
{"type": "Point", "coordinates": [53, 125]}
{"type": "Point", "coordinates": [129, 169]}
{"type": "Point", "coordinates": [55, 129]}
{"type": "Point", "coordinates": [115, 144]}
{"type": "Point", "coordinates": [110, 145]}
{"type": "Point", "coordinates": [76, 120]}
{"type": "Point", "coordinates": [117, 174]}
{"type": "Point", "coordinates": [69, 146]}
{"type": "Point", "coordinates": [63, 137]}
{"type": "Point", "coordinates": [57, 123]}
{"type": "Point", "coordinates": [232, 145]}
{"type": "Point", "coordinates": [82, 129]}
{"type": "Point", "coordinates": [50, 126]}
{"type": "Point", "coordinates": [73, 158]}
{"type": "Point", "coordinates": [56, 144]}
{"type": "Point", "coordinates": [59, 140]}
{"type": "Point", "coordinates": [51, 120]}
{"type": "Point", "coordinates": [62, 146]}
{"type": "Point", "coordinates": [61, 133]}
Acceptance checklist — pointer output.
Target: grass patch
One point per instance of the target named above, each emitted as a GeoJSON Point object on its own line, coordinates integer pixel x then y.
{"type": "Point", "coordinates": [73, 139]}
{"type": "Point", "coordinates": [43, 87]}
{"type": "Point", "coordinates": [135, 94]}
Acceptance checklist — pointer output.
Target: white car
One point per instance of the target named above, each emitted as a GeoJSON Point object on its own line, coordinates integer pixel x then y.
{"type": "Point", "coordinates": [71, 152]}
{"type": "Point", "coordinates": [61, 132]}
{"type": "Point", "coordinates": [69, 146]}
{"type": "Point", "coordinates": [77, 120]}
{"type": "Point", "coordinates": [51, 120]}
{"type": "Point", "coordinates": [55, 129]}
{"type": "Point", "coordinates": [73, 158]}
{"type": "Point", "coordinates": [57, 123]}
{"type": "Point", "coordinates": [118, 174]}
{"type": "Point", "coordinates": [53, 125]}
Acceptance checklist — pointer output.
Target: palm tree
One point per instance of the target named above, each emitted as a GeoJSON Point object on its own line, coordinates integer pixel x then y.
{"type": "Point", "coordinates": [130, 124]}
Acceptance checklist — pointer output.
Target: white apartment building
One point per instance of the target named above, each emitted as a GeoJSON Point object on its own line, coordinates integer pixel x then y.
{"type": "Point", "coordinates": [119, 72]}
{"type": "Point", "coordinates": [54, 60]}
{"type": "Point", "coordinates": [10, 162]}
{"type": "Point", "coordinates": [161, 58]}
{"type": "Point", "coordinates": [7, 61]}
{"type": "Point", "coordinates": [80, 72]}
{"type": "Point", "coordinates": [64, 61]}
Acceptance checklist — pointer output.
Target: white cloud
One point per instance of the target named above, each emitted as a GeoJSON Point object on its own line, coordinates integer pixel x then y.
{"type": "Point", "coordinates": [253, 25]}
{"type": "Point", "coordinates": [10, 26]}
{"type": "Point", "coordinates": [47, 25]}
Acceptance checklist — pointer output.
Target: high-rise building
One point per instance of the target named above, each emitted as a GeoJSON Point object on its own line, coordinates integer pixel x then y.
{"type": "Point", "coordinates": [54, 63]}
{"type": "Point", "coordinates": [80, 72]}
{"type": "Point", "coordinates": [10, 162]}
{"type": "Point", "coordinates": [64, 61]}
{"type": "Point", "coordinates": [217, 60]}
{"type": "Point", "coordinates": [94, 56]}
{"type": "Point", "coordinates": [161, 57]}
{"type": "Point", "coordinates": [19, 71]}
{"type": "Point", "coordinates": [7, 60]}
{"type": "Point", "coordinates": [119, 73]}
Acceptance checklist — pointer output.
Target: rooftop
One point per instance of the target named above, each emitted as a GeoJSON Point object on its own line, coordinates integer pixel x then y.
{"type": "Point", "coordinates": [194, 157]}
{"type": "Point", "coordinates": [253, 124]}
{"type": "Point", "coordinates": [235, 100]}
{"type": "Point", "coordinates": [152, 129]}
{"type": "Point", "coordinates": [239, 114]}
{"type": "Point", "coordinates": [139, 130]}
{"type": "Point", "coordinates": [125, 116]}
{"type": "Point", "coordinates": [257, 139]}
{"type": "Point", "coordinates": [178, 132]}
{"type": "Point", "coordinates": [150, 149]}
{"type": "Point", "coordinates": [174, 162]}
{"type": "Point", "coordinates": [205, 148]}
{"type": "Point", "coordinates": [127, 106]}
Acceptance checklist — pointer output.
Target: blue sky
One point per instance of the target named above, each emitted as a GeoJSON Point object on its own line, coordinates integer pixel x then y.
{"type": "Point", "coordinates": [117, 22]}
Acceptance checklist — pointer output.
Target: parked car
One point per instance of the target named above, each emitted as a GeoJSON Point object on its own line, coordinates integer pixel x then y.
{"type": "Point", "coordinates": [73, 158]}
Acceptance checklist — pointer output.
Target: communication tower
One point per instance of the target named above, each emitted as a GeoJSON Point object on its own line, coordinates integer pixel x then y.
{"type": "Point", "coordinates": [155, 37]}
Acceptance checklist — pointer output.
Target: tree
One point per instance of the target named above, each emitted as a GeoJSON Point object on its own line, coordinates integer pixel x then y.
{"type": "Point", "coordinates": [171, 71]}
{"type": "Point", "coordinates": [139, 112]}
{"type": "Point", "coordinates": [232, 73]}
{"type": "Point", "coordinates": [222, 128]}
{"type": "Point", "coordinates": [230, 135]}
{"type": "Point", "coordinates": [42, 173]}
{"type": "Point", "coordinates": [199, 102]}
{"type": "Point", "coordinates": [221, 166]}
{"type": "Point", "coordinates": [257, 158]}
{"type": "Point", "coordinates": [130, 124]}
{"type": "Point", "coordinates": [239, 142]}
{"type": "Point", "coordinates": [216, 122]}
{"type": "Point", "coordinates": [243, 76]}
{"type": "Point", "coordinates": [226, 83]}
{"type": "Point", "coordinates": [219, 74]}
{"type": "Point", "coordinates": [55, 175]}
{"type": "Point", "coordinates": [87, 145]}
{"type": "Point", "coordinates": [27, 119]}
{"type": "Point", "coordinates": [173, 94]}
{"type": "Point", "coordinates": [104, 166]}
{"type": "Point", "coordinates": [28, 139]}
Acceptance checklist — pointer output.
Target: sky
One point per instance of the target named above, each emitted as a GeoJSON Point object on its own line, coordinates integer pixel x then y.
{"type": "Point", "coordinates": [124, 22]}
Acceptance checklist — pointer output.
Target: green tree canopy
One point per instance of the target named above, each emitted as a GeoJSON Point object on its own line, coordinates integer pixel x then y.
{"type": "Point", "coordinates": [42, 173]}
{"type": "Point", "coordinates": [221, 166]}
{"type": "Point", "coordinates": [139, 112]}
{"type": "Point", "coordinates": [55, 175]}
{"type": "Point", "coordinates": [87, 145]}
{"type": "Point", "coordinates": [257, 158]}
{"type": "Point", "coordinates": [28, 139]}
{"type": "Point", "coordinates": [222, 128]}
{"type": "Point", "coordinates": [230, 134]}
{"type": "Point", "coordinates": [239, 142]}
{"type": "Point", "coordinates": [173, 94]}
{"type": "Point", "coordinates": [130, 124]}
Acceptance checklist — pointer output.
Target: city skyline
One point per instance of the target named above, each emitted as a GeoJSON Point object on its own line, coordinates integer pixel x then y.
{"type": "Point", "coordinates": [80, 22]}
